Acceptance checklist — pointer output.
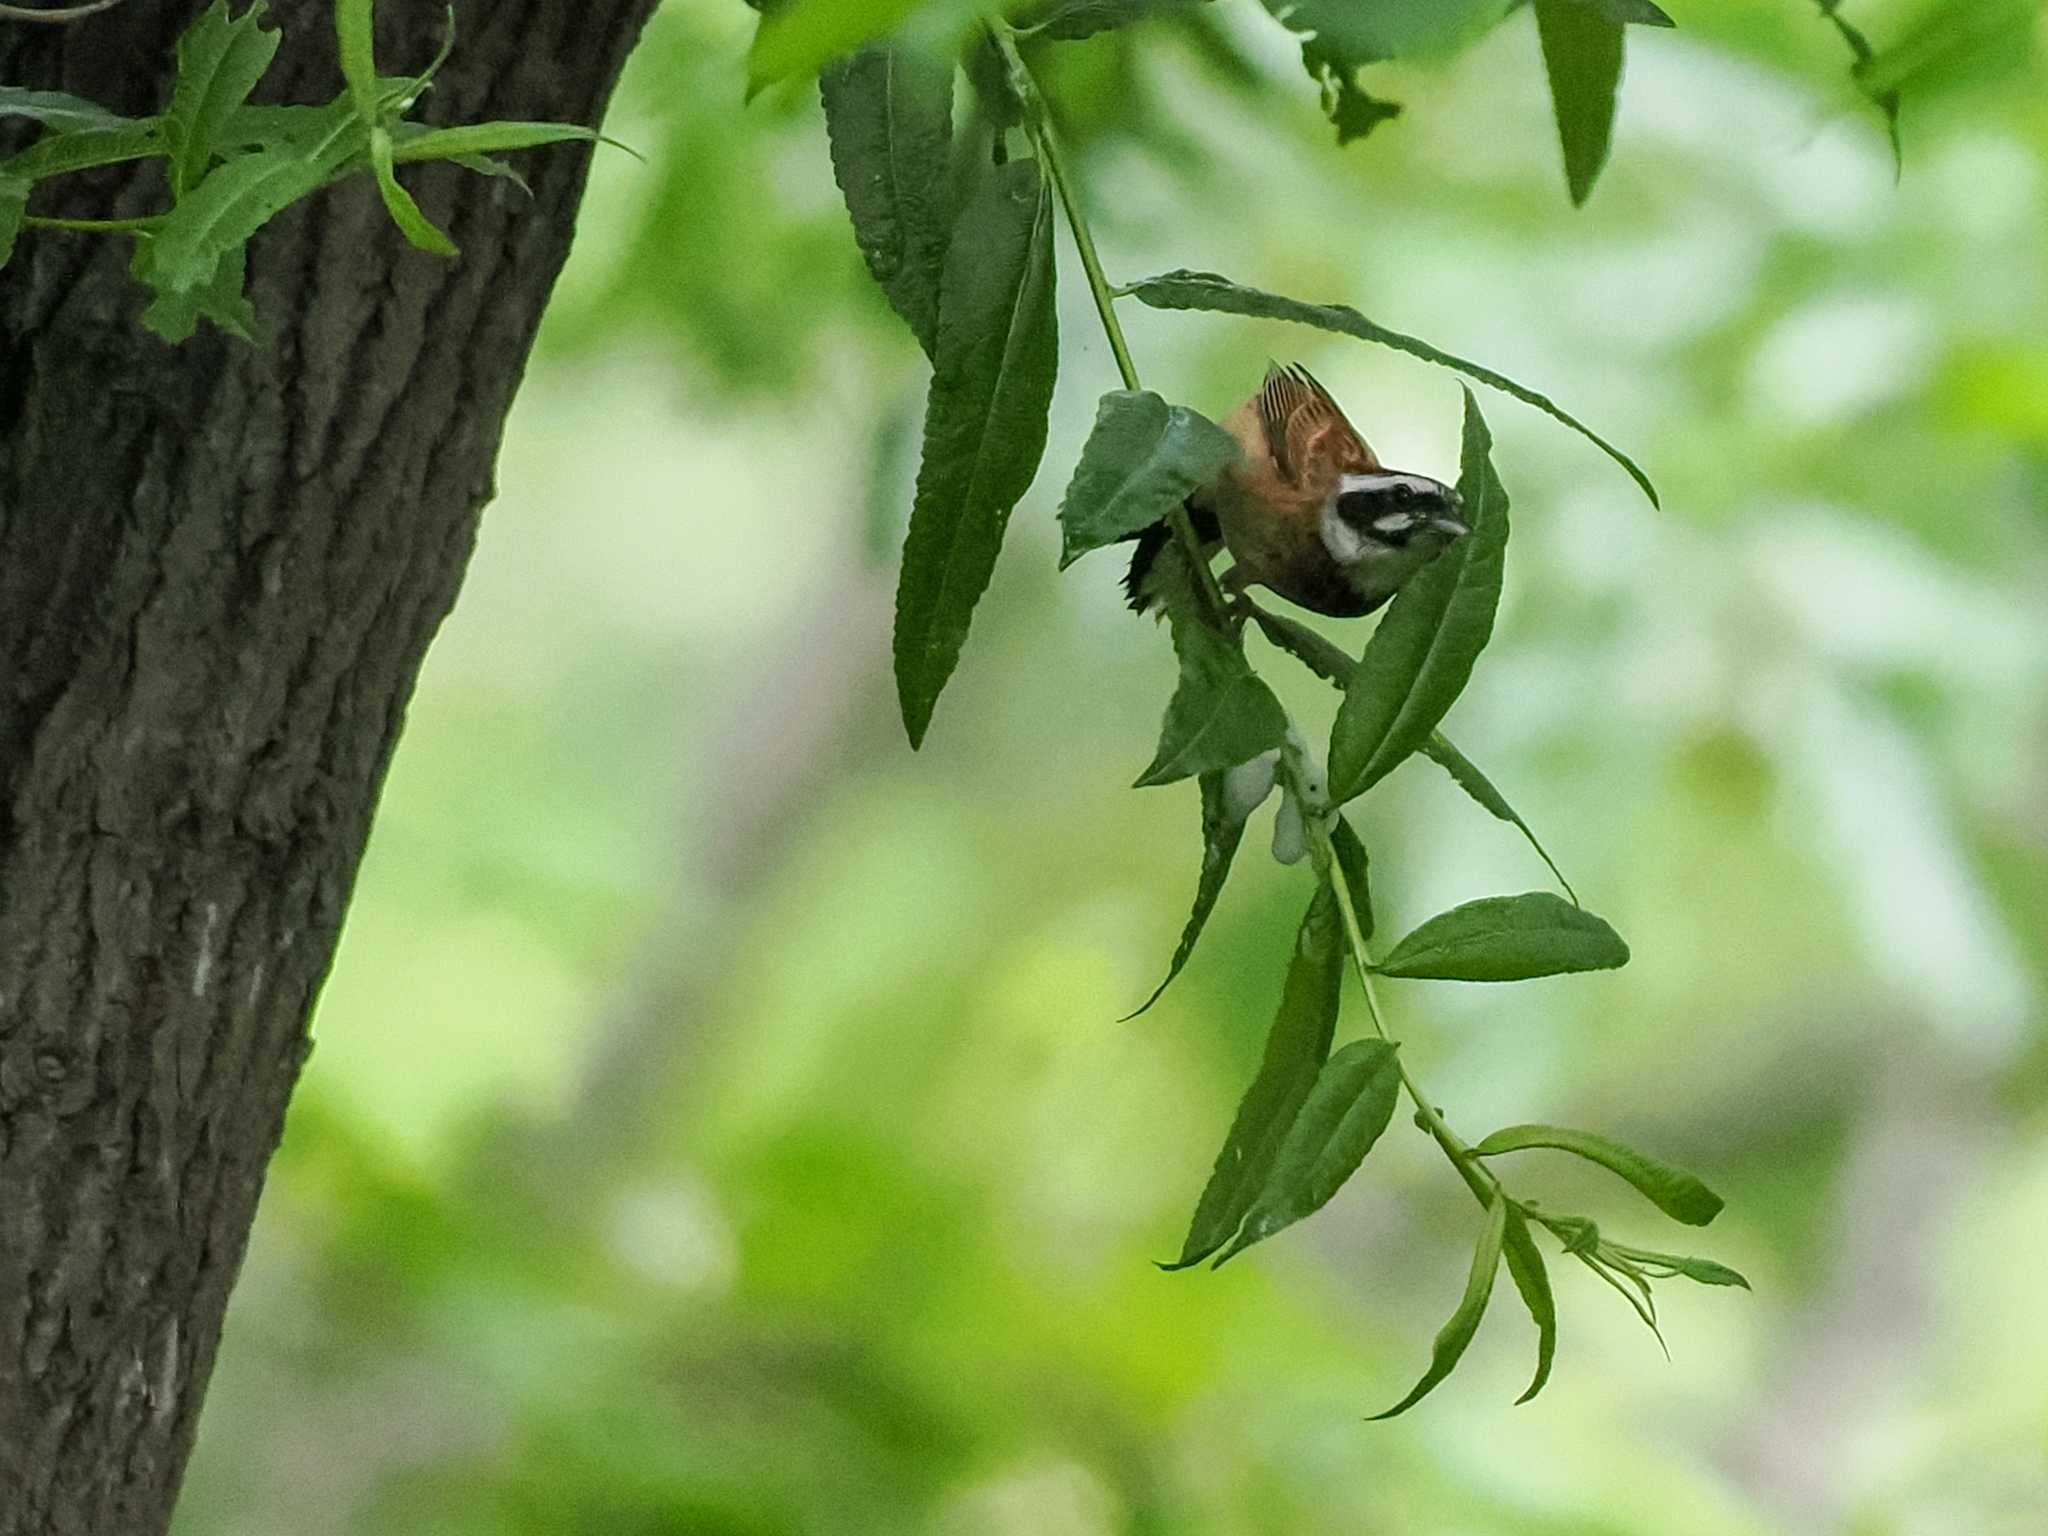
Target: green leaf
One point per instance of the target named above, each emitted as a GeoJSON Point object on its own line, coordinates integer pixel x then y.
{"type": "Point", "coordinates": [797, 38]}
{"type": "Point", "coordinates": [1218, 295]}
{"type": "Point", "coordinates": [984, 429]}
{"type": "Point", "coordinates": [1072, 20]}
{"type": "Point", "coordinates": [1451, 1340]}
{"type": "Point", "coordinates": [889, 120]}
{"type": "Point", "coordinates": [240, 196]}
{"type": "Point", "coordinates": [1666, 1266]}
{"type": "Point", "coordinates": [58, 109]}
{"type": "Point", "coordinates": [485, 165]}
{"type": "Point", "coordinates": [1676, 1193]}
{"type": "Point", "coordinates": [1532, 1279]}
{"type": "Point", "coordinates": [219, 62]}
{"type": "Point", "coordinates": [1345, 1112]}
{"type": "Point", "coordinates": [83, 149]}
{"type": "Point", "coordinates": [1311, 649]}
{"type": "Point", "coordinates": [1142, 460]}
{"type": "Point", "coordinates": [1221, 714]}
{"type": "Point", "coordinates": [1352, 863]}
{"type": "Point", "coordinates": [1421, 653]}
{"type": "Point", "coordinates": [1582, 54]}
{"type": "Point", "coordinates": [14, 192]}
{"type": "Point", "coordinates": [471, 139]}
{"type": "Point", "coordinates": [1466, 775]}
{"type": "Point", "coordinates": [1506, 938]}
{"type": "Point", "coordinates": [1352, 110]}
{"type": "Point", "coordinates": [1229, 796]}
{"type": "Point", "coordinates": [1636, 12]}
{"type": "Point", "coordinates": [1882, 95]}
{"type": "Point", "coordinates": [355, 35]}
{"type": "Point", "coordinates": [174, 314]}
{"type": "Point", "coordinates": [417, 228]}
{"type": "Point", "coordinates": [1296, 1048]}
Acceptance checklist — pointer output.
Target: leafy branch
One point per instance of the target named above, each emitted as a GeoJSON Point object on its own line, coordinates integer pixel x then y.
{"type": "Point", "coordinates": [977, 290]}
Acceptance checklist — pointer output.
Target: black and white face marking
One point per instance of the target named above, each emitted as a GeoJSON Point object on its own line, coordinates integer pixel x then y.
{"type": "Point", "coordinates": [1382, 513]}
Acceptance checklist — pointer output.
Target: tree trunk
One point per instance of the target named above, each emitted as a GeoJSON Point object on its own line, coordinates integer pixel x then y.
{"type": "Point", "coordinates": [220, 566]}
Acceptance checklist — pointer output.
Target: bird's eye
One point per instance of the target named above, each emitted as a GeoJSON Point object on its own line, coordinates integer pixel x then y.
{"type": "Point", "coordinates": [1403, 492]}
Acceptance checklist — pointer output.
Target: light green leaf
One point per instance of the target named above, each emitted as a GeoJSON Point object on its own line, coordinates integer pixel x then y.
{"type": "Point", "coordinates": [1674, 1192]}
{"type": "Point", "coordinates": [1532, 1278]}
{"type": "Point", "coordinates": [14, 192]}
{"type": "Point", "coordinates": [1421, 654]}
{"type": "Point", "coordinates": [240, 196]}
{"type": "Point", "coordinates": [83, 149]}
{"type": "Point", "coordinates": [1296, 1049]}
{"type": "Point", "coordinates": [1506, 938]}
{"type": "Point", "coordinates": [1142, 460]}
{"type": "Point", "coordinates": [1221, 713]}
{"type": "Point", "coordinates": [984, 429]}
{"type": "Point", "coordinates": [1072, 20]}
{"type": "Point", "coordinates": [59, 109]}
{"type": "Point", "coordinates": [1353, 865]}
{"type": "Point", "coordinates": [488, 139]}
{"type": "Point", "coordinates": [1626, 12]}
{"type": "Point", "coordinates": [355, 34]}
{"type": "Point", "coordinates": [1345, 1112]}
{"type": "Point", "coordinates": [219, 62]}
{"type": "Point", "coordinates": [1229, 796]}
{"type": "Point", "coordinates": [420, 230]}
{"type": "Point", "coordinates": [1466, 775]}
{"type": "Point", "coordinates": [1582, 52]}
{"type": "Point", "coordinates": [798, 37]}
{"type": "Point", "coordinates": [174, 314]}
{"type": "Point", "coordinates": [1456, 1334]}
{"type": "Point", "coordinates": [1667, 1266]}
{"type": "Point", "coordinates": [1218, 295]}
{"type": "Point", "coordinates": [889, 122]}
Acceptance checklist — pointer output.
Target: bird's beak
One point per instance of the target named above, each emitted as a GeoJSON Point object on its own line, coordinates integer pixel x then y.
{"type": "Point", "coordinates": [1450, 523]}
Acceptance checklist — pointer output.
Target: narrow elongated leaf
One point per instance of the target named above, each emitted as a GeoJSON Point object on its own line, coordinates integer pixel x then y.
{"type": "Point", "coordinates": [1582, 52]}
{"type": "Point", "coordinates": [1674, 1192]}
{"type": "Point", "coordinates": [1353, 865]}
{"type": "Point", "coordinates": [1218, 295]}
{"type": "Point", "coordinates": [1296, 1049]}
{"type": "Point", "coordinates": [417, 228]}
{"type": "Point", "coordinates": [1532, 1278]}
{"type": "Point", "coordinates": [1221, 713]}
{"type": "Point", "coordinates": [58, 109]}
{"type": "Point", "coordinates": [1451, 1340]}
{"type": "Point", "coordinates": [240, 196]}
{"type": "Point", "coordinates": [1668, 1266]}
{"type": "Point", "coordinates": [1322, 657]}
{"type": "Point", "coordinates": [1466, 775]}
{"type": "Point", "coordinates": [58, 154]}
{"type": "Point", "coordinates": [219, 62]}
{"type": "Point", "coordinates": [1421, 654]}
{"type": "Point", "coordinates": [1142, 459]}
{"type": "Point", "coordinates": [14, 192]}
{"type": "Point", "coordinates": [1343, 1115]}
{"type": "Point", "coordinates": [984, 426]}
{"type": "Point", "coordinates": [1506, 938]}
{"type": "Point", "coordinates": [485, 139]}
{"type": "Point", "coordinates": [1229, 796]}
{"type": "Point", "coordinates": [354, 33]}
{"type": "Point", "coordinates": [889, 120]}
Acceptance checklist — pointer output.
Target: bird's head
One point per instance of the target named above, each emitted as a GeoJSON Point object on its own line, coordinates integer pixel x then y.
{"type": "Point", "coordinates": [1383, 525]}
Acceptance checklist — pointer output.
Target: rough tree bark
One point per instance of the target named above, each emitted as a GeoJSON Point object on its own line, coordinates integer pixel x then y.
{"type": "Point", "coordinates": [220, 566]}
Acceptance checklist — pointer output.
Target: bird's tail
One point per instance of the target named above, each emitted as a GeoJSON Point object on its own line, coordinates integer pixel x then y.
{"type": "Point", "coordinates": [1138, 584]}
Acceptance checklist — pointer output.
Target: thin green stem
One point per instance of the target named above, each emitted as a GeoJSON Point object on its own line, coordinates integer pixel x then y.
{"type": "Point", "coordinates": [141, 226]}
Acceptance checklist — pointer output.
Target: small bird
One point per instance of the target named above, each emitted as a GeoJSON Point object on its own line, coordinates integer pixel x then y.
{"type": "Point", "coordinates": [1308, 511]}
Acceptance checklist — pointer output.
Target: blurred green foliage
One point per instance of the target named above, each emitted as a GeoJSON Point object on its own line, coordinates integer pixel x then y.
{"type": "Point", "coordinates": [718, 1123]}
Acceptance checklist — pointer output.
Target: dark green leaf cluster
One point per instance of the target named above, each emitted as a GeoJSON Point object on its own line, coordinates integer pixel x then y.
{"type": "Point", "coordinates": [231, 166]}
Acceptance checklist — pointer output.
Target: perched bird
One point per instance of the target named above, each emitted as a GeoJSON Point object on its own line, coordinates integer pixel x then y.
{"type": "Point", "coordinates": [1308, 511]}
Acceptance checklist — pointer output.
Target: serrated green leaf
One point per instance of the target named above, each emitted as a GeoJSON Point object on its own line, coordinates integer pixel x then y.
{"type": "Point", "coordinates": [1421, 654]}
{"type": "Point", "coordinates": [1348, 1107]}
{"type": "Point", "coordinates": [59, 109]}
{"type": "Point", "coordinates": [1221, 713]}
{"type": "Point", "coordinates": [985, 422]}
{"type": "Point", "coordinates": [1072, 20]}
{"type": "Point", "coordinates": [14, 192]}
{"type": "Point", "coordinates": [240, 196]}
{"type": "Point", "coordinates": [1296, 1048]}
{"type": "Point", "coordinates": [1229, 796]}
{"type": "Point", "coordinates": [1532, 1278]}
{"type": "Point", "coordinates": [1142, 460]}
{"type": "Point", "coordinates": [1674, 1192]}
{"type": "Point", "coordinates": [174, 314]}
{"type": "Point", "coordinates": [219, 62]}
{"type": "Point", "coordinates": [1456, 1334]}
{"type": "Point", "coordinates": [889, 124]}
{"type": "Point", "coordinates": [1218, 295]}
{"type": "Point", "coordinates": [355, 37]}
{"type": "Point", "coordinates": [1582, 52]}
{"type": "Point", "coordinates": [1353, 865]}
{"type": "Point", "coordinates": [1506, 938]}
{"type": "Point", "coordinates": [83, 149]}
{"type": "Point", "coordinates": [417, 228]}
{"type": "Point", "coordinates": [797, 38]}
{"type": "Point", "coordinates": [1466, 775]}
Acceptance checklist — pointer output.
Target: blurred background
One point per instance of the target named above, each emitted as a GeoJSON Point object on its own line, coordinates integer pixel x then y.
{"type": "Point", "coordinates": [719, 1121]}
